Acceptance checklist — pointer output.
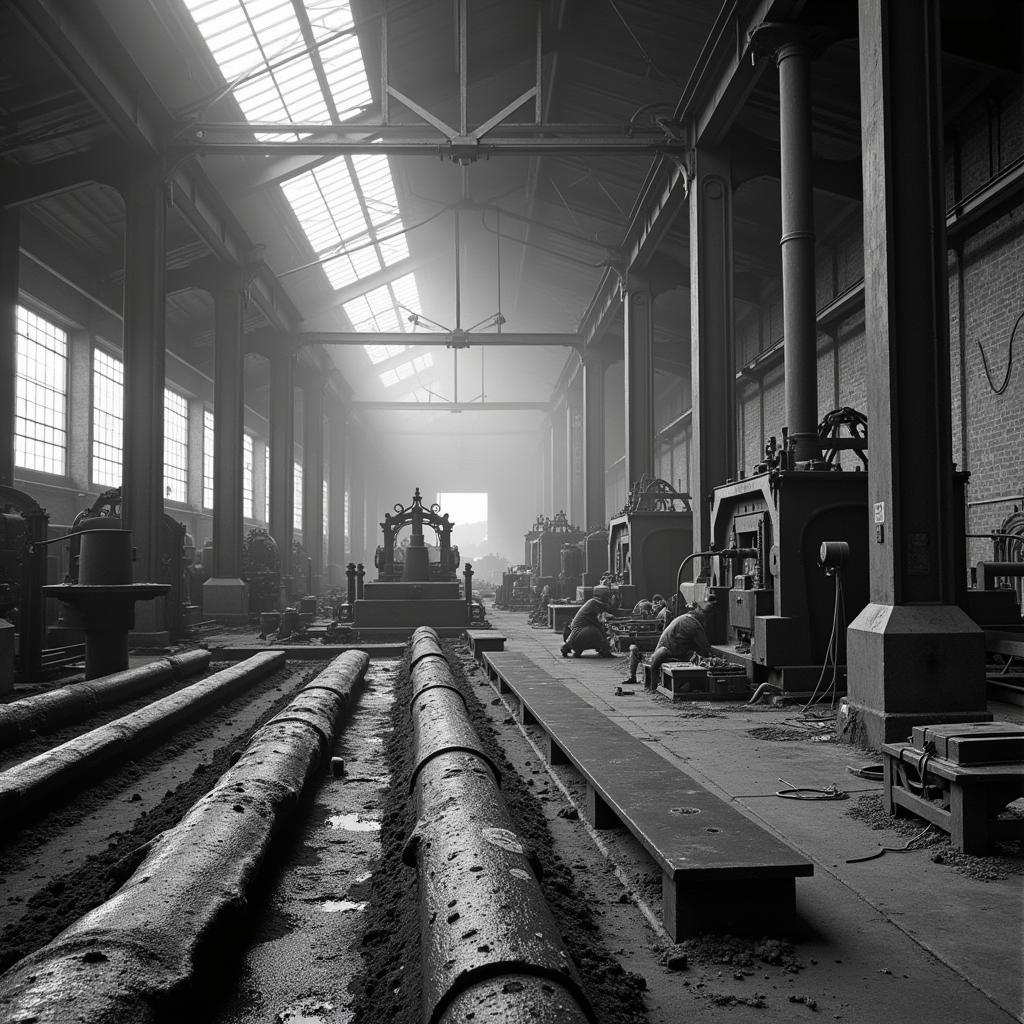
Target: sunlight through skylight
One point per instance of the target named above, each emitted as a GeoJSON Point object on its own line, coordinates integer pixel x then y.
{"type": "Point", "coordinates": [347, 207]}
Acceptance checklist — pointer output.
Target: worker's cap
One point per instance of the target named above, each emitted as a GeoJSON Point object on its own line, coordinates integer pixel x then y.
{"type": "Point", "coordinates": [602, 593]}
{"type": "Point", "coordinates": [657, 597]}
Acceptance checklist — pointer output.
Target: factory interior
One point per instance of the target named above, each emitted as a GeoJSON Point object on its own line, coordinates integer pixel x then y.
{"type": "Point", "coordinates": [413, 414]}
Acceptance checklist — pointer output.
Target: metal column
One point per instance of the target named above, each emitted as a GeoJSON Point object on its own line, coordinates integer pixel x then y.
{"type": "Point", "coordinates": [914, 657]}
{"type": "Point", "coordinates": [789, 45]}
{"type": "Point", "coordinates": [225, 595]}
{"type": "Point", "coordinates": [357, 500]}
{"type": "Point", "coordinates": [712, 342]}
{"type": "Point", "coordinates": [282, 455]}
{"type": "Point", "coordinates": [336, 499]}
{"type": "Point", "coordinates": [638, 352]}
{"type": "Point", "coordinates": [144, 377]}
{"type": "Point", "coordinates": [313, 477]}
{"type": "Point", "coordinates": [574, 450]}
{"type": "Point", "coordinates": [559, 460]}
{"type": "Point", "coordinates": [10, 234]}
{"type": "Point", "coordinates": [593, 444]}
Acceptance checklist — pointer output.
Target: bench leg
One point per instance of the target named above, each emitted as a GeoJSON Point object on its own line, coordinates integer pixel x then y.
{"type": "Point", "coordinates": [503, 687]}
{"type": "Point", "coordinates": [968, 828]}
{"type": "Point", "coordinates": [524, 714]}
{"type": "Point", "coordinates": [555, 754]}
{"type": "Point", "coordinates": [740, 907]}
{"type": "Point", "coordinates": [599, 814]}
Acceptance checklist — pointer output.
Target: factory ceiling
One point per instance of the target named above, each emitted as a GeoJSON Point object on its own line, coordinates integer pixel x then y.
{"type": "Point", "coordinates": [445, 168]}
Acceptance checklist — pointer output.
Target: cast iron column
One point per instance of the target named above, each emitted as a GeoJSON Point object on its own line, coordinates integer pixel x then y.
{"type": "Point", "coordinates": [559, 462]}
{"type": "Point", "coordinates": [225, 595]}
{"type": "Point", "coordinates": [574, 450]}
{"type": "Point", "coordinates": [282, 456]}
{"type": "Point", "coordinates": [913, 656]}
{"type": "Point", "coordinates": [142, 506]}
{"type": "Point", "coordinates": [336, 498]}
{"type": "Point", "coordinates": [10, 235]}
{"type": "Point", "coordinates": [593, 444]}
{"type": "Point", "coordinates": [638, 352]}
{"type": "Point", "coordinates": [712, 343]}
{"type": "Point", "coordinates": [357, 499]}
{"type": "Point", "coordinates": [313, 474]}
{"type": "Point", "coordinates": [790, 47]}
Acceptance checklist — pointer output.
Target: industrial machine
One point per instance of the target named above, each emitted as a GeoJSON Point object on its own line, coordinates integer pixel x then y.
{"type": "Point", "coordinates": [516, 590]}
{"type": "Point", "coordinates": [648, 537]}
{"type": "Point", "coordinates": [777, 611]}
{"type": "Point", "coordinates": [417, 584]}
{"type": "Point", "coordinates": [544, 545]}
{"type": "Point", "coordinates": [22, 576]}
{"type": "Point", "coordinates": [175, 566]}
{"type": "Point", "coordinates": [261, 569]}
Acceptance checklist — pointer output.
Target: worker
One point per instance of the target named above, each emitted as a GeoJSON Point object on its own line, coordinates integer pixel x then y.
{"type": "Point", "coordinates": [586, 632]}
{"type": "Point", "coordinates": [681, 639]}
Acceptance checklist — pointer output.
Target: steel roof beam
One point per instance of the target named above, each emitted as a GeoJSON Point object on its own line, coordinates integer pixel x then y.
{"type": "Point", "coordinates": [465, 340]}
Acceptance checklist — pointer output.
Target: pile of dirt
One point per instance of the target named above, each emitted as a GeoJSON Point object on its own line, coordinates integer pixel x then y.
{"type": "Point", "coordinates": [1006, 859]}
{"type": "Point", "coordinates": [391, 941]}
{"type": "Point", "coordinates": [70, 895]}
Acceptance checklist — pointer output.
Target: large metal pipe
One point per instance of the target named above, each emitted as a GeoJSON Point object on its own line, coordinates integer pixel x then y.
{"type": "Point", "coordinates": [490, 945]}
{"type": "Point", "coordinates": [44, 712]}
{"type": "Point", "coordinates": [131, 957]}
{"type": "Point", "coordinates": [64, 767]}
{"type": "Point", "coordinates": [797, 244]}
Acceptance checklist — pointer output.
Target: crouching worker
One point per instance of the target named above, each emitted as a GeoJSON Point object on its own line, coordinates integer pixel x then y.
{"type": "Point", "coordinates": [586, 632]}
{"type": "Point", "coordinates": [681, 639]}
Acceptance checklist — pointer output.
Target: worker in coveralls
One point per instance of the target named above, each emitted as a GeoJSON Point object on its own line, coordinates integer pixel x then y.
{"type": "Point", "coordinates": [680, 640]}
{"type": "Point", "coordinates": [586, 632]}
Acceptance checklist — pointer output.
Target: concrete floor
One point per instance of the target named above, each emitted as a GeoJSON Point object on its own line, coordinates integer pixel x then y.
{"type": "Point", "coordinates": [908, 938]}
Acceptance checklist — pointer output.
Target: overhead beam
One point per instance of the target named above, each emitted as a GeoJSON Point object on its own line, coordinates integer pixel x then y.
{"type": "Point", "coordinates": [553, 140]}
{"type": "Point", "coordinates": [461, 340]}
{"type": "Point", "coordinates": [453, 406]}
{"type": "Point", "coordinates": [81, 41]}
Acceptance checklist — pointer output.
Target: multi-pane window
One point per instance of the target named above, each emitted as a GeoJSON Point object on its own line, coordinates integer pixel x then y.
{"type": "Point", "coordinates": [41, 388]}
{"type": "Point", "coordinates": [107, 418]}
{"type": "Point", "coordinates": [175, 446]}
{"type": "Point", "coordinates": [297, 498]}
{"type": "Point", "coordinates": [248, 461]}
{"type": "Point", "coordinates": [266, 484]}
{"type": "Point", "coordinates": [208, 436]}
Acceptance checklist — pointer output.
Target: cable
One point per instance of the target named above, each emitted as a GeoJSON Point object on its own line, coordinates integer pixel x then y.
{"type": "Point", "coordinates": [542, 248]}
{"type": "Point", "coordinates": [890, 849]}
{"type": "Point", "coordinates": [1009, 361]}
{"type": "Point", "coordinates": [830, 792]}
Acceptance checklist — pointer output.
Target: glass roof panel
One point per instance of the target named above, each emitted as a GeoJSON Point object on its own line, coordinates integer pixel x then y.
{"type": "Point", "coordinates": [347, 205]}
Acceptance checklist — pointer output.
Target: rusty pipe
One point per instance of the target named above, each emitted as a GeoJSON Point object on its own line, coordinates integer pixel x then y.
{"type": "Point", "coordinates": [131, 957]}
{"type": "Point", "coordinates": [63, 768]}
{"type": "Point", "coordinates": [490, 945]}
{"type": "Point", "coordinates": [44, 712]}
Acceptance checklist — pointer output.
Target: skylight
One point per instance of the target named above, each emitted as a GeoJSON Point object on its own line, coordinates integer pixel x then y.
{"type": "Point", "coordinates": [405, 370]}
{"type": "Point", "coordinates": [347, 207]}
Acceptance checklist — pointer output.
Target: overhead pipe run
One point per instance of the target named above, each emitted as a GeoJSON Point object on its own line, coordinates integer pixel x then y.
{"type": "Point", "coordinates": [490, 947]}
{"type": "Point", "coordinates": [44, 712]}
{"type": "Point", "coordinates": [131, 957]}
{"type": "Point", "coordinates": [63, 767]}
